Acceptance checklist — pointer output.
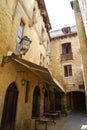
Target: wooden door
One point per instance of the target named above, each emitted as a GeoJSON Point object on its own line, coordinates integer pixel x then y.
{"type": "Point", "coordinates": [9, 109]}
{"type": "Point", "coordinates": [36, 102]}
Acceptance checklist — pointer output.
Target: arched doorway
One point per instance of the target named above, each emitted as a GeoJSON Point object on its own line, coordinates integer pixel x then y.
{"type": "Point", "coordinates": [36, 103]}
{"type": "Point", "coordinates": [9, 109]}
{"type": "Point", "coordinates": [76, 101]}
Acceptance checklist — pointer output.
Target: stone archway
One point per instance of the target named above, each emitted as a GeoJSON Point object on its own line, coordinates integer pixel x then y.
{"type": "Point", "coordinates": [76, 101]}
{"type": "Point", "coordinates": [9, 109]}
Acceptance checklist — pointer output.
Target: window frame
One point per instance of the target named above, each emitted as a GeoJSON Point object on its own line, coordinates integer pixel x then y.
{"type": "Point", "coordinates": [67, 70]}
{"type": "Point", "coordinates": [66, 48]}
{"type": "Point", "coordinates": [19, 29]}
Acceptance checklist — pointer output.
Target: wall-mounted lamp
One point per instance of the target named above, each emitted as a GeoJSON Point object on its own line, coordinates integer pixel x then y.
{"type": "Point", "coordinates": [23, 82]}
{"type": "Point", "coordinates": [24, 47]}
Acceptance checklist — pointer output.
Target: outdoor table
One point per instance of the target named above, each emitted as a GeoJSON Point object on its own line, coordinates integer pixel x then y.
{"type": "Point", "coordinates": [52, 115]}
{"type": "Point", "coordinates": [43, 120]}
{"type": "Point", "coordinates": [59, 113]}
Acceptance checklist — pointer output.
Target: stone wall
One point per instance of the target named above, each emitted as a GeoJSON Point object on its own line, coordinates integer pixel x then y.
{"type": "Point", "coordinates": [24, 109]}
{"type": "Point", "coordinates": [83, 42]}
{"type": "Point", "coordinates": [11, 13]}
{"type": "Point", "coordinates": [9, 29]}
{"type": "Point", "coordinates": [70, 83]}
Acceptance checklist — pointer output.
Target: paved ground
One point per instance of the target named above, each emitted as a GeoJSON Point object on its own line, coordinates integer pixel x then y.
{"type": "Point", "coordinates": [71, 122]}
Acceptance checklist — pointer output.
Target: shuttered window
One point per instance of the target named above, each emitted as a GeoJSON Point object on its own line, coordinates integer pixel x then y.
{"type": "Point", "coordinates": [66, 48]}
{"type": "Point", "coordinates": [67, 70]}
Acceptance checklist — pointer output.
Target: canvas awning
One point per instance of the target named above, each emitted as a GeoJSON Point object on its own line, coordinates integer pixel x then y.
{"type": "Point", "coordinates": [43, 73]}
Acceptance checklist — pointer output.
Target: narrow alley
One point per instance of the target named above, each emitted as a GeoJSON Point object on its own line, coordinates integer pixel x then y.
{"type": "Point", "coordinates": [43, 70]}
{"type": "Point", "coordinates": [71, 122]}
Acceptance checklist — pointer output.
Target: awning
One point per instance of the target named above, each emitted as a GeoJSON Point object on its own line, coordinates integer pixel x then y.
{"type": "Point", "coordinates": [43, 73]}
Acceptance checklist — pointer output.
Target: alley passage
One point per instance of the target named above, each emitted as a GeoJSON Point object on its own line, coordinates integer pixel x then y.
{"type": "Point", "coordinates": [71, 122]}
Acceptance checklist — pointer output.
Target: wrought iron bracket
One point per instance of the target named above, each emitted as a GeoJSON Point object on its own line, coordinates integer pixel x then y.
{"type": "Point", "coordinates": [7, 59]}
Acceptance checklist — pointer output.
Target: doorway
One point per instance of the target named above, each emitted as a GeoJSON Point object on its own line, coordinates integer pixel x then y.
{"type": "Point", "coordinates": [9, 109]}
{"type": "Point", "coordinates": [36, 103]}
{"type": "Point", "coordinates": [76, 101]}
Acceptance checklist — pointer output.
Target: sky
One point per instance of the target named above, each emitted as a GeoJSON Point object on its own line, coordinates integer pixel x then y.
{"type": "Point", "coordinates": [60, 13]}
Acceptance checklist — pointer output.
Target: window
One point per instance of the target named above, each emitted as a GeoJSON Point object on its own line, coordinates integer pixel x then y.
{"type": "Point", "coordinates": [34, 15]}
{"type": "Point", "coordinates": [81, 86]}
{"type": "Point", "coordinates": [66, 52]}
{"type": "Point", "coordinates": [66, 48]}
{"type": "Point", "coordinates": [67, 70]}
{"type": "Point", "coordinates": [48, 47]}
{"type": "Point", "coordinates": [66, 30]}
{"type": "Point", "coordinates": [43, 37]}
{"type": "Point", "coordinates": [41, 59]}
{"type": "Point", "coordinates": [20, 34]}
{"type": "Point", "coordinates": [20, 30]}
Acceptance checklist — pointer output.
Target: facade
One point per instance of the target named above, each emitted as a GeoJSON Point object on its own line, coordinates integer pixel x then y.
{"type": "Point", "coordinates": [80, 15]}
{"type": "Point", "coordinates": [83, 9]}
{"type": "Point", "coordinates": [66, 65]}
{"type": "Point", "coordinates": [36, 82]}
{"type": "Point", "coordinates": [25, 82]}
{"type": "Point", "coordinates": [32, 23]}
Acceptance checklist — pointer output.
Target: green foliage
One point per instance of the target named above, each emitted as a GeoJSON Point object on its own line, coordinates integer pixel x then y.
{"type": "Point", "coordinates": [64, 109]}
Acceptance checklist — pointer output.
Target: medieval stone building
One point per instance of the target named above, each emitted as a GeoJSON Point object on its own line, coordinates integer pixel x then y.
{"type": "Point", "coordinates": [66, 65]}
{"type": "Point", "coordinates": [35, 81]}
{"type": "Point", "coordinates": [25, 81]}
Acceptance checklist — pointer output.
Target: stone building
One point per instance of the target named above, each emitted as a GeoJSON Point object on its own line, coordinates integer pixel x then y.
{"type": "Point", "coordinates": [26, 84]}
{"type": "Point", "coordinates": [66, 65]}
{"type": "Point", "coordinates": [35, 82]}
{"type": "Point", "coordinates": [83, 9]}
{"type": "Point", "coordinates": [80, 15]}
